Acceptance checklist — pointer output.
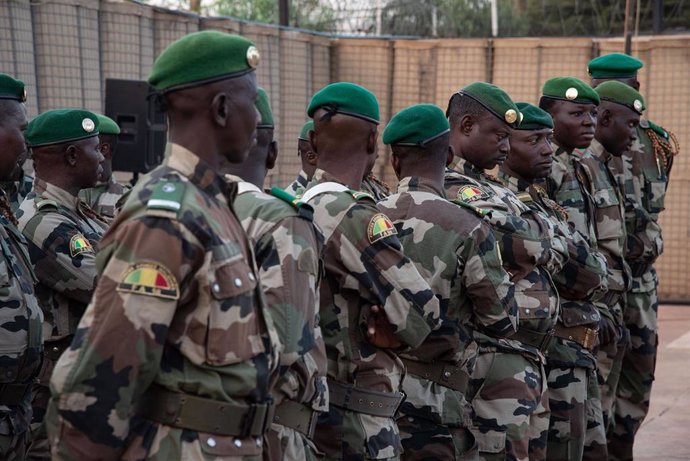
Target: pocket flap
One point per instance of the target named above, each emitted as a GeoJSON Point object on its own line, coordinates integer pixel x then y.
{"type": "Point", "coordinates": [232, 279]}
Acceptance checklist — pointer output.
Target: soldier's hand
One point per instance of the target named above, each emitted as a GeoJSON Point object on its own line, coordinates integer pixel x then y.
{"type": "Point", "coordinates": [380, 331]}
{"type": "Point", "coordinates": [625, 341]}
{"type": "Point", "coordinates": [608, 331]}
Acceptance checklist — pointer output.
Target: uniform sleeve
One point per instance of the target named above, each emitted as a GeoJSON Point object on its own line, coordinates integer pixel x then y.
{"type": "Point", "coordinates": [117, 349]}
{"type": "Point", "coordinates": [289, 271]}
{"type": "Point", "coordinates": [487, 284]}
{"type": "Point", "coordinates": [378, 262]}
{"type": "Point", "coordinates": [59, 261]}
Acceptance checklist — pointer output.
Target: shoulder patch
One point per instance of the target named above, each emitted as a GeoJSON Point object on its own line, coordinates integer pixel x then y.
{"type": "Point", "coordinates": [380, 227]}
{"type": "Point", "coordinates": [79, 244]}
{"type": "Point", "coordinates": [149, 279]}
{"type": "Point", "coordinates": [359, 195]}
{"type": "Point", "coordinates": [41, 204]}
{"type": "Point", "coordinates": [471, 193]}
{"type": "Point", "coordinates": [286, 197]}
{"type": "Point", "coordinates": [167, 196]}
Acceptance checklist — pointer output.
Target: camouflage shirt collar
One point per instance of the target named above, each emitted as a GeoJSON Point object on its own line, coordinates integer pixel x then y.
{"type": "Point", "coordinates": [514, 184]}
{"type": "Point", "coordinates": [196, 170]}
{"type": "Point", "coordinates": [462, 166]}
{"type": "Point", "coordinates": [47, 191]}
{"type": "Point", "coordinates": [597, 149]}
{"type": "Point", "coordinates": [323, 176]}
{"type": "Point", "coordinates": [416, 183]}
{"type": "Point", "coordinates": [302, 178]}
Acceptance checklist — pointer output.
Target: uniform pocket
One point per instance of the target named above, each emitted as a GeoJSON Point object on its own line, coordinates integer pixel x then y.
{"type": "Point", "coordinates": [656, 193]}
{"type": "Point", "coordinates": [608, 215]}
{"type": "Point", "coordinates": [234, 326]}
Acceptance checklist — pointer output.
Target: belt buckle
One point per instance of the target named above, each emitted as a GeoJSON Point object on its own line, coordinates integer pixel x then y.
{"type": "Point", "coordinates": [591, 335]}
{"type": "Point", "coordinates": [402, 400]}
{"type": "Point", "coordinates": [248, 421]}
{"type": "Point", "coordinates": [547, 340]}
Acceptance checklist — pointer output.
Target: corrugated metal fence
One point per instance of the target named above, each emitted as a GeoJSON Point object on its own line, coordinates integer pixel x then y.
{"type": "Point", "coordinates": [65, 49]}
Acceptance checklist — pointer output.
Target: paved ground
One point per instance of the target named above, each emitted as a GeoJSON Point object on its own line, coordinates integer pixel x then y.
{"type": "Point", "coordinates": [665, 434]}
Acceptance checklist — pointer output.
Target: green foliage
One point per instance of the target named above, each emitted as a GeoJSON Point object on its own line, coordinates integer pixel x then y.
{"type": "Point", "coordinates": [305, 14]}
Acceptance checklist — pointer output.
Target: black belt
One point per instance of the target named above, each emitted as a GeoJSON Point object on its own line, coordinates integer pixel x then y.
{"type": "Point", "coordinates": [538, 339]}
{"type": "Point", "coordinates": [12, 394]}
{"type": "Point", "coordinates": [349, 397]}
{"type": "Point", "coordinates": [199, 414]}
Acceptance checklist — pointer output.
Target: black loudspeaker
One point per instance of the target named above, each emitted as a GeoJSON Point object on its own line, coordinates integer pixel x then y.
{"type": "Point", "coordinates": [143, 128]}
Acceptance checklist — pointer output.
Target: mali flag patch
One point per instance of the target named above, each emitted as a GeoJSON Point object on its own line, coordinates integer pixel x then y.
{"type": "Point", "coordinates": [471, 193]}
{"type": "Point", "coordinates": [380, 227]}
{"type": "Point", "coordinates": [149, 279]}
{"type": "Point", "coordinates": [78, 244]}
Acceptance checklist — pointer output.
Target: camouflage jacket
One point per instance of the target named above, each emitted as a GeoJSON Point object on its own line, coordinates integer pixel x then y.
{"type": "Point", "coordinates": [583, 277]}
{"type": "Point", "coordinates": [20, 325]}
{"type": "Point", "coordinates": [643, 174]}
{"type": "Point", "coordinates": [17, 190]}
{"type": "Point", "coordinates": [375, 187]}
{"type": "Point", "coordinates": [63, 235]}
{"type": "Point", "coordinates": [287, 250]}
{"type": "Point", "coordinates": [104, 197]}
{"type": "Point", "coordinates": [456, 253]}
{"type": "Point", "coordinates": [364, 266]}
{"type": "Point", "coordinates": [298, 186]}
{"type": "Point", "coordinates": [177, 305]}
{"type": "Point", "coordinates": [531, 247]}
{"type": "Point", "coordinates": [609, 217]}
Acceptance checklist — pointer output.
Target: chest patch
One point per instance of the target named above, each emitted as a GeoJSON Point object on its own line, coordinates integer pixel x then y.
{"type": "Point", "coordinates": [149, 279]}
{"type": "Point", "coordinates": [78, 244]}
{"type": "Point", "coordinates": [380, 227]}
{"type": "Point", "coordinates": [471, 193]}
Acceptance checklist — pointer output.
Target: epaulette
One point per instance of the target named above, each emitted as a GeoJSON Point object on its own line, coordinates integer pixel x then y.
{"type": "Point", "coordinates": [41, 204]}
{"type": "Point", "coordinates": [286, 197]}
{"type": "Point", "coordinates": [359, 195]}
{"type": "Point", "coordinates": [524, 197]}
{"type": "Point", "coordinates": [478, 211]}
{"type": "Point", "coordinates": [657, 129]}
{"type": "Point", "coordinates": [166, 198]}
{"type": "Point", "coordinates": [493, 178]}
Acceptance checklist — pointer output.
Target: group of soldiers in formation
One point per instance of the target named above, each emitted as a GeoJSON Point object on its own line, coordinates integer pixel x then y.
{"type": "Point", "coordinates": [197, 316]}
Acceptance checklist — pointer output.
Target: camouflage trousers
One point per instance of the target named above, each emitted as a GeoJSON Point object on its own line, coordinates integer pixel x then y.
{"type": "Point", "coordinates": [39, 447]}
{"type": "Point", "coordinates": [609, 363]}
{"type": "Point", "coordinates": [425, 440]}
{"type": "Point", "coordinates": [350, 436]}
{"type": "Point", "coordinates": [637, 371]}
{"type": "Point", "coordinates": [14, 435]}
{"type": "Point", "coordinates": [510, 408]}
{"type": "Point", "coordinates": [287, 444]}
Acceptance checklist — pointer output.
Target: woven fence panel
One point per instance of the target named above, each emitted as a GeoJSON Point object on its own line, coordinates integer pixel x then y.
{"type": "Point", "coordinates": [458, 63]}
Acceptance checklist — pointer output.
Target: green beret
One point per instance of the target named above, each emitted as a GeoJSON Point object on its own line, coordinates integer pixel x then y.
{"type": "Point", "coordinates": [533, 118]}
{"type": "Point", "coordinates": [570, 89]}
{"type": "Point", "coordinates": [416, 125]}
{"type": "Point", "coordinates": [306, 128]}
{"type": "Point", "coordinates": [620, 93]}
{"type": "Point", "coordinates": [264, 108]}
{"type": "Point", "coordinates": [203, 57]}
{"type": "Point", "coordinates": [614, 65]}
{"type": "Point", "coordinates": [495, 100]}
{"type": "Point", "coordinates": [348, 99]}
{"type": "Point", "coordinates": [61, 125]}
{"type": "Point", "coordinates": [11, 88]}
{"type": "Point", "coordinates": [107, 125]}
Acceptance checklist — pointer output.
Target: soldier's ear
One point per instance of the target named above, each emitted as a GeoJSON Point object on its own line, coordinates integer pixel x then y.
{"type": "Point", "coordinates": [312, 157]}
{"type": "Point", "coordinates": [272, 156]}
{"type": "Point", "coordinates": [72, 155]}
{"type": "Point", "coordinates": [312, 141]}
{"type": "Point", "coordinates": [450, 156]}
{"type": "Point", "coordinates": [373, 139]}
{"type": "Point", "coordinates": [467, 123]}
{"type": "Point", "coordinates": [605, 117]}
{"type": "Point", "coordinates": [395, 163]}
{"type": "Point", "coordinates": [220, 109]}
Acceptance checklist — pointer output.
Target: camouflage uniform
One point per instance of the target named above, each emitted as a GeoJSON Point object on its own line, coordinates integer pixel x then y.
{"type": "Point", "coordinates": [577, 423]}
{"type": "Point", "coordinates": [17, 190]}
{"type": "Point", "coordinates": [20, 336]}
{"type": "Point", "coordinates": [375, 187]}
{"type": "Point", "coordinates": [611, 239]}
{"type": "Point", "coordinates": [287, 252]}
{"type": "Point", "coordinates": [104, 197]}
{"type": "Point", "coordinates": [175, 357]}
{"type": "Point", "coordinates": [644, 172]}
{"type": "Point", "coordinates": [456, 253]}
{"type": "Point", "coordinates": [298, 186]}
{"type": "Point", "coordinates": [63, 235]}
{"type": "Point", "coordinates": [508, 387]}
{"type": "Point", "coordinates": [364, 266]}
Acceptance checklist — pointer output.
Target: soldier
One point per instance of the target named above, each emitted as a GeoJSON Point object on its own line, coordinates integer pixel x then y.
{"type": "Point", "coordinates": [308, 158]}
{"type": "Point", "coordinates": [17, 184]}
{"type": "Point", "coordinates": [374, 186]}
{"type": "Point", "coordinates": [644, 171]}
{"type": "Point", "coordinates": [570, 364]}
{"type": "Point", "coordinates": [63, 235]}
{"type": "Point", "coordinates": [104, 197]}
{"type": "Point", "coordinates": [287, 251]}
{"type": "Point", "coordinates": [368, 280]}
{"type": "Point", "coordinates": [176, 355]}
{"type": "Point", "coordinates": [20, 316]}
{"type": "Point", "coordinates": [457, 254]}
{"type": "Point", "coordinates": [619, 115]}
{"type": "Point", "coordinates": [510, 372]}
